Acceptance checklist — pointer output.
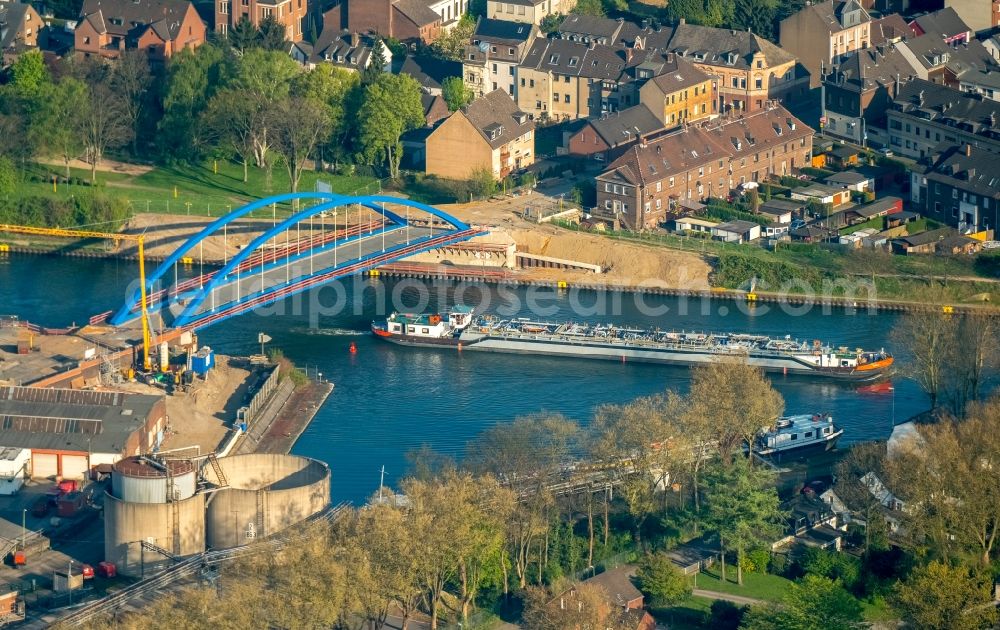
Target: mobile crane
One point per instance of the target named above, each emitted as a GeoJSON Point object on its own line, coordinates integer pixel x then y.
{"type": "Point", "coordinates": [147, 364]}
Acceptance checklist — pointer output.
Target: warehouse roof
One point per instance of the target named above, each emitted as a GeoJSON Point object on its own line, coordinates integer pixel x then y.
{"type": "Point", "coordinates": [67, 419]}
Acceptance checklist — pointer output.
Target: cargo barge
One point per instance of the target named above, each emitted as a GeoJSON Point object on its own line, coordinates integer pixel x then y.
{"type": "Point", "coordinates": [460, 328]}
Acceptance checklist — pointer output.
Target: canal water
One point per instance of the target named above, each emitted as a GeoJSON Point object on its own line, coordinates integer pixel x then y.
{"type": "Point", "coordinates": [390, 400]}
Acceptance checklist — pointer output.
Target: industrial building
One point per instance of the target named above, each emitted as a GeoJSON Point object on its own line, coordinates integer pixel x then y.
{"type": "Point", "coordinates": [68, 432]}
{"type": "Point", "coordinates": [158, 510]}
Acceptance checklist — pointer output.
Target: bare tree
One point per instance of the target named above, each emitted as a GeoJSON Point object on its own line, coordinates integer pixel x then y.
{"type": "Point", "coordinates": [737, 399]}
{"type": "Point", "coordinates": [302, 125]}
{"type": "Point", "coordinates": [931, 338]}
{"type": "Point", "coordinates": [131, 78]}
{"type": "Point", "coordinates": [103, 125]}
{"type": "Point", "coordinates": [231, 118]}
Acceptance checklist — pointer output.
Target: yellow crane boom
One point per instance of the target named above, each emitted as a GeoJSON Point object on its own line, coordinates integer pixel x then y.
{"type": "Point", "coordinates": [113, 236]}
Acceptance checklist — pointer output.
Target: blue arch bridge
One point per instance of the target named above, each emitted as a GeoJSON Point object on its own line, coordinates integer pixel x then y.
{"type": "Point", "coordinates": [335, 236]}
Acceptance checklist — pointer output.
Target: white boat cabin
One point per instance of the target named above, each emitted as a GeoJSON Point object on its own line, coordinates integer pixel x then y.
{"type": "Point", "coordinates": [796, 432]}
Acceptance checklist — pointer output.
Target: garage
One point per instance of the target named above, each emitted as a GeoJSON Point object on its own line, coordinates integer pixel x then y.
{"type": "Point", "coordinates": [74, 466]}
{"type": "Point", "coordinates": [44, 465]}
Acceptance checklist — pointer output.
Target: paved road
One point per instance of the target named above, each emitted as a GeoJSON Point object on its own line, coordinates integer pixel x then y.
{"type": "Point", "coordinates": [736, 599]}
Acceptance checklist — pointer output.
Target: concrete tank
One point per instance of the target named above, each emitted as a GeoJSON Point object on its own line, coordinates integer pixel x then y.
{"type": "Point", "coordinates": [128, 524]}
{"type": "Point", "coordinates": [140, 480]}
{"type": "Point", "coordinates": [266, 493]}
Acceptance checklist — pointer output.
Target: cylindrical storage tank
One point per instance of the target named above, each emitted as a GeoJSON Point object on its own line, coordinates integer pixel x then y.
{"type": "Point", "coordinates": [141, 480]}
{"type": "Point", "coordinates": [266, 493]}
{"type": "Point", "coordinates": [127, 525]}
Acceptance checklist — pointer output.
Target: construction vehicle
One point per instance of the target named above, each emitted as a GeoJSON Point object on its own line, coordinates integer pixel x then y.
{"type": "Point", "coordinates": [117, 237]}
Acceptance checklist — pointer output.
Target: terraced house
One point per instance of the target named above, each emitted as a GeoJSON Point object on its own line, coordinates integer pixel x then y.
{"type": "Point", "coordinates": [561, 79]}
{"type": "Point", "coordinates": [750, 70]}
{"type": "Point", "coordinates": [958, 185]}
{"type": "Point", "coordinates": [160, 27]}
{"type": "Point", "coordinates": [677, 91]}
{"type": "Point", "coordinates": [289, 13]}
{"type": "Point", "coordinates": [491, 61]}
{"type": "Point", "coordinates": [643, 187]}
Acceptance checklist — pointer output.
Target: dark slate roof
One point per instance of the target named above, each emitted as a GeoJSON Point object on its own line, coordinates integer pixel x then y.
{"type": "Point", "coordinates": [942, 24]}
{"type": "Point", "coordinates": [126, 18]}
{"type": "Point", "coordinates": [430, 71]}
{"type": "Point", "coordinates": [781, 206]}
{"type": "Point", "coordinates": [497, 111]}
{"type": "Point", "coordinates": [11, 19]}
{"type": "Point", "coordinates": [978, 172]}
{"type": "Point", "coordinates": [565, 57]}
{"type": "Point", "coordinates": [888, 29]}
{"type": "Point", "coordinates": [626, 125]}
{"type": "Point", "coordinates": [72, 420]}
{"type": "Point", "coordinates": [866, 69]}
{"type": "Point", "coordinates": [590, 28]}
{"type": "Point", "coordinates": [724, 47]}
{"type": "Point", "coordinates": [934, 53]}
{"type": "Point", "coordinates": [673, 72]}
{"type": "Point", "coordinates": [417, 11]}
{"type": "Point", "coordinates": [946, 106]}
{"type": "Point", "coordinates": [831, 12]}
{"type": "Point", "coordinates": [502, 31]}
{"type": "Point", "coordinates": [923, 238]}
{"type": "Point", "coordinates": [877, 207]}
{"type": "Point", "coordinates": [737, 226]}
{"type": "Point", "coordinates": [341, 48]}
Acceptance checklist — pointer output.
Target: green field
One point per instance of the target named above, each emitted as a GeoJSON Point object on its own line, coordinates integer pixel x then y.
{"type": "Point", "coordinates": [183, 189]}
{"type": "Point", "coordinates": [756, 585]}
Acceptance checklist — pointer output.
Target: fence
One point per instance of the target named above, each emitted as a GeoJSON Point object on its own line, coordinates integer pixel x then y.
{"type": "Point", "coordinates": [612, 562]}
{"type": "Point", "coordinates": [250, 411]}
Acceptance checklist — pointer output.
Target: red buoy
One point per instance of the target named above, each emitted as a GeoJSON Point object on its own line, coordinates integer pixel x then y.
{"type": "Point", "coordinates": [354, 348]}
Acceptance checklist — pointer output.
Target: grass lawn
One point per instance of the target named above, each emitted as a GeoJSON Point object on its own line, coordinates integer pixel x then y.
{"type": "Point", "coordinates": [690, 614]}
{"type": "Point", "coordinates": [197, 189]}
{"type": "Point", "coordinates": [878, 611]}
{"type": "Point", "coordinates": [757, 585]}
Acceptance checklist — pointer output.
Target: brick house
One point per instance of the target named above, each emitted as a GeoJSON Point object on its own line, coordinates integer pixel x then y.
{"type": "Point", "coordinates": [750, 71]}
{"type": "Point", "coordinates": [160, 27]}
{"type": "Point", "coordinates": [643, 187]}
{"type": "Point", "coordinates": [959, 186]}
{"type": "Point", "coordinates": [406, 20]}
{"type": "Point", "coordinates": [490, 132]}
{"type": "Point", "coordinates": [820, 33]}
{"type": "Point", "coordinates": [19, 28]}
{"type": "Point", "coordinates": [679, 92]}
{"type": "Point", "coordinates": [290, 13]}
{"type": "Point", "coordinates": [607, 137]}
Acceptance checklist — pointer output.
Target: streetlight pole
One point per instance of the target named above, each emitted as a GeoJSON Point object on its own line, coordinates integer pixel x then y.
{"type": "Point", "coordinates": [24, 528]}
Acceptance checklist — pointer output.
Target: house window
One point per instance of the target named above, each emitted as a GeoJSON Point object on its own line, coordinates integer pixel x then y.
{"type": "Point", "coordinates": [520, 10]}
{"type": "Point", "coordinates": [736, 82]}
{"type": "Point", "coordinates": [510, 8]}
{"type": "Point", "coordinates": [531, 83]}
{"type": "Point", "coordinates": [566, 98]}
{"type": "Point", "coordinates": [670, 183]}
{"type": "Point", "coordinates": [510, 51]}
{"type": "Point", "coordinates": [86, 40]}
{"type": "Point", "coordinates": [607, 187]}
{"type": "Point", "coordinates": [659, 204]}
{"type": "Point", "coordinates": [224, 8]}
{"type": "Point", "coordinates": [758, 83]}
{"type": "Point", "coordinates": [555, 97]}
{"type": "Point", "coordinates": [522, 82]}
{"type": "Point", "coordinates": [494, 68]}
{"type": "Point", "coordinates": [659, 186]}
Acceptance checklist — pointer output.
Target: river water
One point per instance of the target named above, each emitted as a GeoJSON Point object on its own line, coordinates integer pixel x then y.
{"type": "Point", "coordinates": [389, 400]}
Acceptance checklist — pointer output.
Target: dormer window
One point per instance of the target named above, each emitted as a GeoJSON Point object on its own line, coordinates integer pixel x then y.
{"type": "Point", "coordinates": [573, 61]}
{"type": "Point", "coordinates": [340, 58]}
{"type": "Point", "coordinates": [554, 59]}
{"type": "Point", "coordinates": [115, 21]}
{"type": "Point", "coordinates": [352, 60]}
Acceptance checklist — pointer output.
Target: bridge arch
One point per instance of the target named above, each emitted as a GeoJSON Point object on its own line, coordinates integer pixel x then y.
{"type": "Point", "coordinates": [372, 202]}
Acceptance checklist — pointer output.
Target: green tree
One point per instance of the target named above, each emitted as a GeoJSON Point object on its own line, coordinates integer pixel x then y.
{"type": "Point", "coordinates": [755, 15]}
{"type": "Point", "coordinates": [661, 580]}
{"type": "Point", "coordinates": [193, 77]}
{"type": "Point", "coordinates": [589, 7]}
{"type": "Point", "coordinates": [8, 176]}
{"type": "Point", "coordinates": [944, 597]}
{"type": "Point", "coordinates": [550, 23]}
{"type": "Point", "coordinates": [743, 508]}
{"type": "Point", "coordinates": [812, 603]}
{"type": "Point", "coordinates": [56, 126]}
{"type": "Point", "coordinates": [271, 35]}
{"type": "Point", "coordinates": [451, 44]}
{"type": "Point", "coordinates": [231, 118]}
{"type": "Point", "coordinates": [376, 63]}
{"type": "Point", "coordinates": [28, 74]}
{"type": "Point", "coordinates": [391, 107]}
{"type": "Point", "coordinates": [243, 35]}
{"type": "Point", "coordinates": [331, 86]}
{"type": "Point", "coordinates": [455, 93]}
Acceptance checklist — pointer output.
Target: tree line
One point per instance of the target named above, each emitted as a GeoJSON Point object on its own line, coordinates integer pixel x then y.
{"type": "Point", "coordinates": [253, 105]}
{"type": "Point", "coordinates": [528, 510]}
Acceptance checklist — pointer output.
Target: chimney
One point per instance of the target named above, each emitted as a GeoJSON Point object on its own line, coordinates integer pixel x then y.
{"type": "Point", "coordinates": [670, 57]}
{"type": "Point", "coordinates": [968, 150]}
{"type": "Point", "coordinates": [682, 21]}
